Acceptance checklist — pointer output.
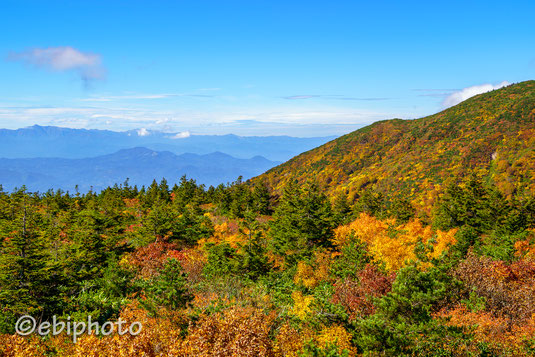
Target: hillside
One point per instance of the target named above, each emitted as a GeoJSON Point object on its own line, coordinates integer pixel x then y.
{"type": "Point", "coordinates": [492, 133]}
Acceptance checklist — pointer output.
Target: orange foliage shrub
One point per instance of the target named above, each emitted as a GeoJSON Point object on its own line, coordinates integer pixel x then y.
{"type": "Point", "coordinates": [158, 337]}
{"type": "Point", "coordinates": [336, 335]}
{"type": "Point", "coordinates": [290, 341]}
{"type": "Point", "coordinates": [150, 259]}
{"type": "Point", "coordinates": [226, 232]}
{"type": "Point", "coordinates": [235, 332]}
{"type": "Point", "coordinates": [525, 249]}
{"type": "Point", "coordinates": [393, 245]}
{"type": "Point", "coordinates": [503, 337]}
{"type": "Point", "coordinates": [365, 227]}
{"type": "Point", "coordinates": [192, 262]}
{"type": "Point", "coordinates": [311, 274]}
{"type": "Point", "coordinates": [17, 346]}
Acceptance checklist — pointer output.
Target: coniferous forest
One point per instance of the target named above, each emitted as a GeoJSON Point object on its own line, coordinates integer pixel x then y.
{"type": "Point", "coordinates": [441, 264]}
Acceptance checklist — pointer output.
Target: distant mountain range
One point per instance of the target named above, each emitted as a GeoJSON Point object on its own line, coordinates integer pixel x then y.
{"type": "Point", "coordinates": [50, 141]}
{"type": "Point", "coordinates": [140, 165]}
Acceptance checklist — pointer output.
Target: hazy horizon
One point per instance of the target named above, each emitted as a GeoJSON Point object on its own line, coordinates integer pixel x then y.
{"type": "Point", "coordinates": [300, 69]}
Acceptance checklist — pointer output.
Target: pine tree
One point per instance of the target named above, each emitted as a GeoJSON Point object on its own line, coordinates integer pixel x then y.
{"type": "Point", "coordinates": [159, 223]}
{"type": "Point", "coordinates": [302, 221]}
{"type": "Point", "coordinates": [372, 202]}
{"type": "Point", "coordinates": [341, 209]}
{"type": "Point", "coordinates": [261, 199]}
{"type": "Point", "coordinates": [472, 204]}
{"type": "Point", "coordinates": [88, 251]}
{"type": "Point", "coordinates": [254, 262]}
{"type": "Point", "coordinates": [25, 287]}
{"type": "Point", "coordinates": [402, 210]}
{"type": "Point", "coordinates": [168, 290]}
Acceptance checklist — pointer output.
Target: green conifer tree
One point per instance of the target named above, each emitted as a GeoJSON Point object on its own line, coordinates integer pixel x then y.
{"type": "Point", "coordinates": [302, 221]}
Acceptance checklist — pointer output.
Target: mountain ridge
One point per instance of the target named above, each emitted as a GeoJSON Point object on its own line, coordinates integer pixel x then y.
{"type": "Point", "coordinates": [491, 134]}
{"type": "Point", "coordinates": [140, 165]}
{"type": "Point", "coordinates": [52, 141]}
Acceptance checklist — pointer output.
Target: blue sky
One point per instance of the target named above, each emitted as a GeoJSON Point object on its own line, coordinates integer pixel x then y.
{"type": "Point", "coordinates": [301, 68]}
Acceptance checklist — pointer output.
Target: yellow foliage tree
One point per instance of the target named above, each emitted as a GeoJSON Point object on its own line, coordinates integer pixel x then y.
{"type": "Point", "coordinates": [311, 274]}
{"type": "Point", "coordinates": [336, 335]}
{"type": "Point", "coordinates": [301, 304]}
{"type": "Point", "coordinates": [392, 244]}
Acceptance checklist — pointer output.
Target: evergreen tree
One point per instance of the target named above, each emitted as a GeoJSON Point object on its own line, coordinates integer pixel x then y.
{"type": "Point", "coordinates": [88, 251]}
{"type": "Point", "coordinates": [25, 287]}
{"type": "Point", "coordinates": [255, 261]}
{"type": "Point", "coordinates": [222, 260]}
{"type": "Point", "coordinates": [402, 210]}
{"type": "Point", "coordinates": [159, 223]}
{"type": "Point", "coordinates": [372, 202]}
{"type": "Point", "coordinates": [261, 199]}
{"type": "Point", "coordinates": [465, 205]}
{"type": "Point", "coordinates": [191, 226]}
{"type": "Point", "coordinates": [187, 192]}
{"type": "Point", "coordinates": [341, 209]}
{"type": "Point", "coordinates": [241, 199]}
{"type": "Point", "coordinates": [302, 221]}
{"type": "Point", "coordinates": [168, 289]}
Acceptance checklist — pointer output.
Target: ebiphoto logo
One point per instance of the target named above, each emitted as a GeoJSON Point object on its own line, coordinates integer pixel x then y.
{"type": "Point", "coordinates": [26, 325]}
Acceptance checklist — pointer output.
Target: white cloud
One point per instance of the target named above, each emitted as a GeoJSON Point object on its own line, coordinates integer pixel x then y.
{"type": "Point", "coordinates": [60, 59]}
{"type": "Point", "coordinates": [181, 135]}
{"type": "Point", "coordinates": [462, 95]}
{"type": "Point", "coordinates": [143, 132]}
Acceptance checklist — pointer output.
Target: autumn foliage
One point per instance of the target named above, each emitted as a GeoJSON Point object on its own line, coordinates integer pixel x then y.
{"type": "Point", "coordinates": [404, 238]}
{"type": "Point", "coordinates": [392, 244]}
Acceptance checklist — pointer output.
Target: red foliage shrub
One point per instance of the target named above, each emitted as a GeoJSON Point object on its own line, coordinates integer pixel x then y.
{"type": "Point", "coordinates": [149, 259]}
{"type": "Point", "coordinates": [508, 288]}
{"type": "Point", "coordinates": [357, 296]}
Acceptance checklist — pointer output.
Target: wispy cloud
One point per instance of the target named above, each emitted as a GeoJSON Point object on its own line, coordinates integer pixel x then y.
{"type": "Point", "coordinates": [332, 97]}
{"type": "Point", "coordinates": [112, 98]}
{"type": "Point", "coordinates": [462, 95]}
{"type": "Point", "coordinates": [436, 93]}
{"type": "Point", "coordinates": [60, 59]}
{"type": "Point", "coordinates": [371, 99]}
{"type": "Point", "coordinates": [127, 97]}
{"type": "Point", "coordinates": [297, 97]}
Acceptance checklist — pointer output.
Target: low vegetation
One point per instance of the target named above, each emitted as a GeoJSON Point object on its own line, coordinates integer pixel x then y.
{"type": "Point", "coordinates": [383, 246]}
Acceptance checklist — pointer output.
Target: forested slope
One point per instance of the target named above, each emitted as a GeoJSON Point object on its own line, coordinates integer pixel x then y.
{"type": "Point", "coordinates": [252, 270]}
{"type": "Point", "coordinates": [491, 134]}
